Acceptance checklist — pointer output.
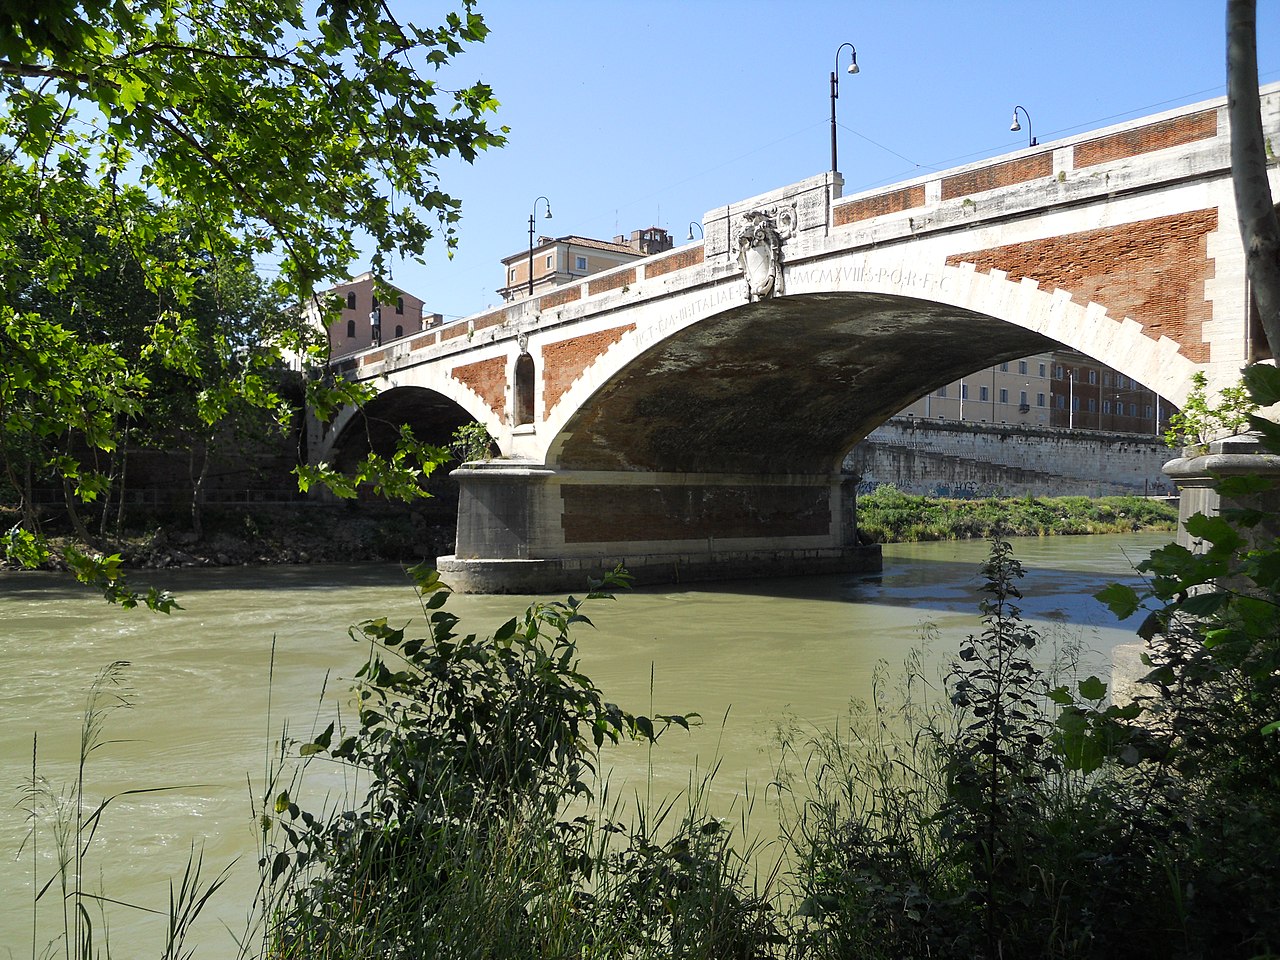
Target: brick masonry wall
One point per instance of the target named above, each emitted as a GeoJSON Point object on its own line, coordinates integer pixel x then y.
{"type": "Point", "coordinates": [1152, 270]}
{"type": "Point", "coordinates": [1144, 139]}
{"type": "Point", "coordinates": [559, 298]}
{"type": "Point", "coordinates": [676, 261]}
{"type": "Point", "coordinates": [488, 378]}
{"type": "Point", "coordinates": [893, 202]}
{"type": "Point", "coordinates": [613, 281]}
{"type": "Point", "coordinates": [930, 456]}
{"type": "Point", "coordinates": [564, 361]}
{"type": "Point", "coordinates": [998, 175]}
{"type": "Point", "coordinates": [608, 514]}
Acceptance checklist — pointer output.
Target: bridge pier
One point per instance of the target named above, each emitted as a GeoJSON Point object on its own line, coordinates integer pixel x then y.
{"type": "Point", "coordinates": [530, 528]}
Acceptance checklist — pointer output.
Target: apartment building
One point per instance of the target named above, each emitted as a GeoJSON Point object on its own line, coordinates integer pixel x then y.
{"type": "Point", "coordinates": [560, 260]}
{"type": "Point", "coordinates": [367, 321]}
{"type": "Point", "coordinates": [1060, 388]}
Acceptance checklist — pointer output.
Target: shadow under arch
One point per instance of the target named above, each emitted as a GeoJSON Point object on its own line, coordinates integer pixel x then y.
{"type": "Point", "coordinates": [784, 386]}
{"type": "Point", "coordinates": [375, 427]}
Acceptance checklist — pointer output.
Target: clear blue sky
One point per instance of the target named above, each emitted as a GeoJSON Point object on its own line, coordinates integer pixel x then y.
{"type": "Point", "coordinates": [627, 115]}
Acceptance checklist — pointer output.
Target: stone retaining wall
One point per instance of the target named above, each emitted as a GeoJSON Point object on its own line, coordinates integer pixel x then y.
{"type": "Point", "coordinates": [952, 458]}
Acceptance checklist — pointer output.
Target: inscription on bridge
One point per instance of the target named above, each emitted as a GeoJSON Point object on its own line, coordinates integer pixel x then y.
{"type": "Point", "coordinates": [690, 310]}
{"type": "Point", "coordinates": [898, 278]}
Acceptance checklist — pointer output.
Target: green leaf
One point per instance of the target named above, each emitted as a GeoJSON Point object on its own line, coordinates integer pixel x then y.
{"type": "Point", "coordinates": [1120, 599]}
{"type": "Point", "coordinates": [1061, 696]}
{"type": "Point", "coordinates": [1216, 530]}
{"type": "Point", "coordinates": [1092, 688]}
{"type": "Point", "coordinates": [1204, 604]}
{"type": "Point", "coordinates": [1263, 383]}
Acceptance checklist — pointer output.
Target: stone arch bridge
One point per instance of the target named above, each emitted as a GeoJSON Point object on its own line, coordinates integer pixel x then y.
{"type": "Point", "coordinates": [688, 414]}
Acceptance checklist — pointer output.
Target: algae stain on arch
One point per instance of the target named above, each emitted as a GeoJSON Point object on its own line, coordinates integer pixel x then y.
{"type": "Point", "coordinates": [790, 384]}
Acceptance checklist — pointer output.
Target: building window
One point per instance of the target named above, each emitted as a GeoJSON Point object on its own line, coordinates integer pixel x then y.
{"type": "Point", "coordinates": [550, 260]}
{"type": "Point", "coordinates": [1062, 402]}
{"type": "Point", "coordinates": [1022, 366]}
{"type": "Point", "coordinates": [1039, 399]}
{"type": "Point", "coordinates": [399, 304]}
{"type": "Point", "coordinates": [983, 394]}
{"type": "Point", "coordinates": [1093, 405]}
{"type": "Point", "coordinates": [511, 275]}
{"type": "Point", "coordinates": [1004, 367]}
{"type": "Point", "coordinates": [1146, 411]}
{"type": "Point", "coordinates": [1057, 373]}
{"type": "Point", "coordinates": [1042, 374]}
{"type": "Point", "coordinates": [351, 300]}
{"type": "Point", "coordinates": [1022, 398]}
{"type": "Point", "coordinates": [1106, 379]}
{"type": "Point", "coordinates": [1133, 409]}
{"type": "Point", "coordinates": [399, 330]}
{"type": "Point", "coordinates": [580, 263]}
{"type": "Point", "coordinates": [1093, 376]}
{"type": "Point", "coordinates": [351, 328]}
{"type": "Point", "coordinates": [964, 391]}
{"type": "Point", "coordinates": [942, 391]}
{"type": "Point", "coordinates": [1004, 395]}
{"type": "Point", "coordinates": [1075, 403]}
{"type": "Point", "coordinates": [1106, 406]}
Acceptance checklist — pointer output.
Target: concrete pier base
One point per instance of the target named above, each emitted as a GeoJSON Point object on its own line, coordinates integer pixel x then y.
{"type": "Point", "coordinates": [530, 528]}
{"type": "Point", "coordinates": [1199, 470]}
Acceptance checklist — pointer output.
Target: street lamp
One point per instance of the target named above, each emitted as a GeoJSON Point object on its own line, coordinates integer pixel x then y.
{"type": "Point", "coordinates": [1015, 126]}
{"type": "Point", "coordinates": [701, 232]}
{"type": "Point", "coordinates": [835, 93]}
{"type": "Point", "coordinates": [532, 213]}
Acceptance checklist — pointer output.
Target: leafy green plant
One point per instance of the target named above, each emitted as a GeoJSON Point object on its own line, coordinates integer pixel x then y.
{"type": "Point", "coordinates": [472, 442]}
{"type": "Point", "coordinates": [1199, 421]}
{"type": "Point", "coordinates": [1001, 756]}
{"type": "Point", "coordinates": [468, 749]}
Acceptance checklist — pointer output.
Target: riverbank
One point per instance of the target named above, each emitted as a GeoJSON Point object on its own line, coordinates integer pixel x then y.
{"type": "Point", "coordinates": [357, 532]}
{"type": "Point", "coordinates": [242, 535]}
{"type": "Point", "coordinates": [887, 515]}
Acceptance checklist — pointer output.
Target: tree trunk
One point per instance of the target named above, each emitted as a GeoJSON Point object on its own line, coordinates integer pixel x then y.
{"type": "Point", "coordinates": [77, 523]}
{"type": "Point", "coordinates": [1259, 229]}
{"type": "Point", "coordinates": [124, 475]}
{"type": "Point", "coordinates": [197, 489]}
{"type": "Point", "coordinates": [106, 497]}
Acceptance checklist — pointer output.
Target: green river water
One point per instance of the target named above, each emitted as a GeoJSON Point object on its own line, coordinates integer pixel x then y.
{"type": "Point", "coordinates": [746, 655]}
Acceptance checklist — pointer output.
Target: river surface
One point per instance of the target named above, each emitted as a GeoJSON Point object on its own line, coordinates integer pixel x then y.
{"type": "Point", "coordinates": [207, 702]}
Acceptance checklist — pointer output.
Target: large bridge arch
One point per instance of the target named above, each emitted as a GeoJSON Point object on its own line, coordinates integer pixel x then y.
{"type": "Point", "coordinates": [805, 376]}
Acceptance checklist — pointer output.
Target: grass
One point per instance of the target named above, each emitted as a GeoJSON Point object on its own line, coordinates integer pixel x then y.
{"type": "Point", "coordinates": [887, 515]}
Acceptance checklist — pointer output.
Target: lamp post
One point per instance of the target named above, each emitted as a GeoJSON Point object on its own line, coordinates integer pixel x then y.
{"type": "Point", "coordinates": [532, 213]}
{"type": "Point", "coordinates": [835, 93]}
{"type": "Point", "coordinates": [1015, 126]}
{"type": "Point", "coordinates": [701, 232]}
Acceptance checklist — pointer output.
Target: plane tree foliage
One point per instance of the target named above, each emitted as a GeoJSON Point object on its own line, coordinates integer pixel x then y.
{"type": "Point", "coordinates": [183, 140]}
